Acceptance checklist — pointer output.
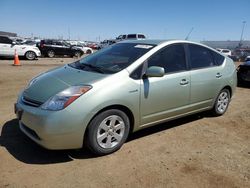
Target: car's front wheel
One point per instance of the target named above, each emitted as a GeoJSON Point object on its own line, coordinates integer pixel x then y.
{"type": "Point", "coordinates": [51, 53]}
{"type": "Point", "coordinates": [30, 55]}
{"type": "Point", "coordinates": [77, 54]}
{"type": "Point", "coordinates": [108, 131]}
{"type": "Point", "coordinates": [221, 103]}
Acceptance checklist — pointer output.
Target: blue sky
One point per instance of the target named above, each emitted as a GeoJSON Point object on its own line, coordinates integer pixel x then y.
{"type": "Point", "coordinates": [105, 19]}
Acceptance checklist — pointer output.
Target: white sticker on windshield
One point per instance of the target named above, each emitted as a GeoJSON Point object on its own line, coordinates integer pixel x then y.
{"type": "Point", "coordinates": [143, 46]}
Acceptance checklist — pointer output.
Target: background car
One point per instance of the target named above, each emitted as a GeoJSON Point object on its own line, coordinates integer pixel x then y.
{"type": "Point", "coordinates": [243, 73]}
{"type": "Point", "coordinates": [107, 43]}
{"type": "Point", "coordinates": [224, 51]}
{"type": "Point", "coordinates": [51, 48]}
{"type": "Point", "coordinates": [85, 49]}
{"type": "Point", "coordinates": [247, 58]}
{"type": "Point", "coordinates": [136, 36]}
{"type": "Point", "coordinates": [240, 54]}
{"type": "Point", "coordinates": [30, 42]}
{"type": "Point", "coordinates": [8, 47]}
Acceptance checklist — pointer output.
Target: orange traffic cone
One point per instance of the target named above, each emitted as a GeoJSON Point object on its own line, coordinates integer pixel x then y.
{"type": "Point", "coordinates": [16, 60]}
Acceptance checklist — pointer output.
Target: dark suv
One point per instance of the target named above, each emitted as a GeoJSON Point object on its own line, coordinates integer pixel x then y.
{"type": "Point", "coordinates": [51, 48]}
{"type": "Point", "coordinates": [240, 54]}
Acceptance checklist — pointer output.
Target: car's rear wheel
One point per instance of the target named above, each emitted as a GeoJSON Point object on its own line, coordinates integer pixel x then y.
{"type": "Point", "coordinates": [108, 131]}
{"type": "Point", "coordinates": [30, 55]}
{"type": "Point", "coordinates": [51, 53]}
{"type": "Point", "coordinates": [89, 52]}
{"type": "Point", "coordinates": [221, 103]}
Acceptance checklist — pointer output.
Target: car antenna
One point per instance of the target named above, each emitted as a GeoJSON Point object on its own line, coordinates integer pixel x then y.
{"type": "Point", "coordinates": [191, 30]}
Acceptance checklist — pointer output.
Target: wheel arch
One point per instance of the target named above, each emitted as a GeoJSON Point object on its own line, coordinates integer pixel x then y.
{"type": "Point", "coordinates": [30, 51]}
{"type": "Point", "coordinates": [229, 89]}
{"type": "Point", "coordinates": [123, 108]}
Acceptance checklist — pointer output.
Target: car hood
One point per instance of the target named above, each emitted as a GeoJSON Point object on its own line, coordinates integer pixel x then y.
{"type": "Point", "coordinates": [50, 83]}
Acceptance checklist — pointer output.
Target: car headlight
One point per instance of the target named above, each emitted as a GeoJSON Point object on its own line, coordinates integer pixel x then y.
{"type": "Point", "coordinates": [65, 98]}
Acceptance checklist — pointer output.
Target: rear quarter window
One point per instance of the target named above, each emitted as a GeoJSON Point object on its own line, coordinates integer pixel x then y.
{"type": "Point", "coordinates": [200, 57]}
{"type": "Point", "coordinates": [218, 59]}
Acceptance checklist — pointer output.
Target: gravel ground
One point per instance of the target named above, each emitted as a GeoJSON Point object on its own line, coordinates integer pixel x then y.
{"type": "Point", "coordinates": [195, 151]}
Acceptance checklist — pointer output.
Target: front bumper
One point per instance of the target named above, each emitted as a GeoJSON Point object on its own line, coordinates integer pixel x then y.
{"type": "Point", "coordinates": [51, 129]}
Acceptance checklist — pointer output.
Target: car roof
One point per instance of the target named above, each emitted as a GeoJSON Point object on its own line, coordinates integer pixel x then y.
{"type": "Point", "coordinates": [160, 41]}
{"type": "Point", "coordinates": [153, 42]}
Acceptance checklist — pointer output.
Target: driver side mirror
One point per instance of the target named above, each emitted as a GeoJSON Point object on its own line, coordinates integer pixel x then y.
{"type": "Point", "coordinates": [155, 71]}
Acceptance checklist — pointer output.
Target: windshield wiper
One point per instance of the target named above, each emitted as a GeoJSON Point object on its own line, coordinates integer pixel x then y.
{"type": "Point", "coordinates": [95, 68]}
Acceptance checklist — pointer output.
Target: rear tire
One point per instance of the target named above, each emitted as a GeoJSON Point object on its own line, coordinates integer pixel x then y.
{"type": "Point", "coordinates": [107, 132]}
{"type": "Point", "coordinates": [89, 52]}
{"type": "Point", "coordinates": [222, 102]}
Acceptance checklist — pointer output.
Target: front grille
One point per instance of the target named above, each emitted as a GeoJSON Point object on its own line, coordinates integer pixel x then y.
{"type": "Point", "coordinates": [30, 131]}
{"type": "Point", "coordinates": [31, 102]}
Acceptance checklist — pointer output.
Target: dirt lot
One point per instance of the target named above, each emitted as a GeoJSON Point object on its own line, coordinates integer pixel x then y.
{"type": "Point", "coordinates": [196, 151]}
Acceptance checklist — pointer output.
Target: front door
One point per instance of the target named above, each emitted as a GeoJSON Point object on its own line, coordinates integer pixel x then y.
{"type": "Point", "coordinates": [167, 96]}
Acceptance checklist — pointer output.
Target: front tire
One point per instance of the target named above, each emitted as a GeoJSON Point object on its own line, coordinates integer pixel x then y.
{"type": "Point", "coordinates": [30, 55]}
{"type": "Point", "coordinates": [221, 103]}
{"type": "Point", "coordinates": [107, 132]}
{"type": "Point", "coordinates": [77, 54]}
{"type": "Point", "coordinates": [51, 53]}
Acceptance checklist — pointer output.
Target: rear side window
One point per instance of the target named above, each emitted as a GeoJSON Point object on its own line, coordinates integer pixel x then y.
{"type": "Point", "coordinates": [218, 59]}
{"type": "Point", "coordinates": [48, 42]}
{"type": "Point", "coordinates": [5, 40]}
{"type": "Point", "coordinates": [200, 57]}
{"type": "Point", "coordinates": [171, 58]}
{"type": "Point", "coordinates": [132, 36]}
{"type": "Point", "coordinates": [141, 37]}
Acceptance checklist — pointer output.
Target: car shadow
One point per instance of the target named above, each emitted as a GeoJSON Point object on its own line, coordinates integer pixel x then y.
{"type": "Point", "coordinates": [167, 125]}
{"type": "Point", "coordinates": [25, 150]}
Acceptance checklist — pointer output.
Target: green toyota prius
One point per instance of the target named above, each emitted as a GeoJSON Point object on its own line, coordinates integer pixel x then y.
{"type": "Point", "coordinates": [128, 86]}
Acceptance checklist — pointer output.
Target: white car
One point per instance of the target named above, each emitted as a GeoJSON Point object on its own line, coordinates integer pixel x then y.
{"type": "Point", "coordinates": [224, 51]}
{"type": "Point", "coordinates": [85, 49]}
{"type": "Point", "coordinates": [8, 47]}
{"type": "Point", "coordinates": [247, 58]}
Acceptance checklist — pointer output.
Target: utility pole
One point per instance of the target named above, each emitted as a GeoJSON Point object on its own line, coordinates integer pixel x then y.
{"type": "Point", "coordinates": [242, 32]}
{"type": "Point", "coordinates": [69, 32]}
{"type": "Point", "coordinates": [191, 30]}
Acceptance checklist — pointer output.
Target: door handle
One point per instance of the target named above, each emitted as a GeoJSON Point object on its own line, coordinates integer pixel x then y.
{"type": "Point", "coordinates": [218, 75]}
{"type": "Point", "coordinates": [184, 82]}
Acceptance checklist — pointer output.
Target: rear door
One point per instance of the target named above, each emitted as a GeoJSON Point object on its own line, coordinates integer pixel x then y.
{"type": "Point", "coordinates": [6, 47]}
{"type": "Point", "coordinates": [206, 76]}
{"type": "Point", "coordinates": [167, 96]}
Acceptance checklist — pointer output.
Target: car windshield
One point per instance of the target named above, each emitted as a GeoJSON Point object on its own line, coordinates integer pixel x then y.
{"type": "Point", "coordinates": [113, 58]}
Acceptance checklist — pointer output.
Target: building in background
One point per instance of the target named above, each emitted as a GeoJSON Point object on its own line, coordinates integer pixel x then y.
{"type": "Point", "coordinates": [227, 44]}
{"type": "Point", "coordinates": [4, 33]}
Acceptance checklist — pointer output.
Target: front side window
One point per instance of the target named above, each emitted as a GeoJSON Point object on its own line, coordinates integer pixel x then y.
{"type": "Point", "coordinates": [171, 58]}
{"type": "Point", "coordinates": [200, 57]}
{"type": "Point", "coordinates": [113, 58]}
